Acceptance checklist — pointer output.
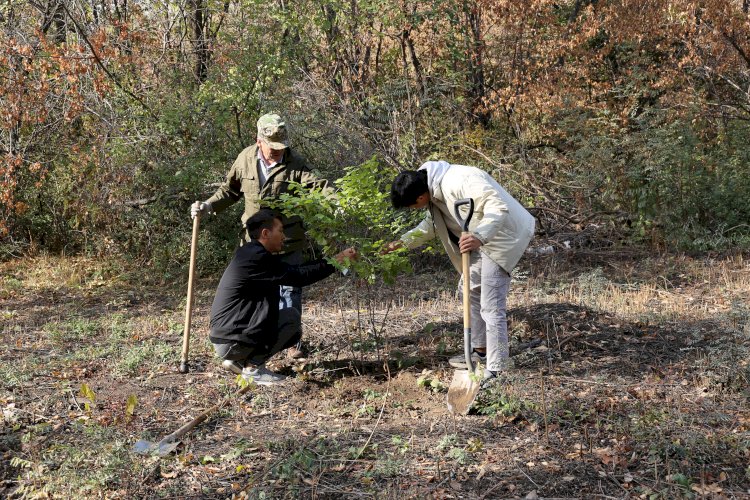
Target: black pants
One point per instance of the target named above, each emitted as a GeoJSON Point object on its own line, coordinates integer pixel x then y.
{"type": "Point", "coordinates": [289, 333]}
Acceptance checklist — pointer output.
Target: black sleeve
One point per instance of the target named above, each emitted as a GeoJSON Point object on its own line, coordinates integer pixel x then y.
{"type": "Point", "coordinates": [306, 274]}
{"type": "Point", "coordinates": [274, 272]}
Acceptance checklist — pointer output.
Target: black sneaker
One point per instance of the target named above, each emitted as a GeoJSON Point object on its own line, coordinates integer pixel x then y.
{"type": "Point", "coordinates": [459, 360]}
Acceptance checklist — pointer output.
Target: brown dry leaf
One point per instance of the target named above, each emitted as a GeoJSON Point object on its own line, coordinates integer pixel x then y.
{"type": "Point", "coordinates": [169, 475]}
{"type": "Point", "coordinates": [482, 471]}
{"type": "Point", "coordinates": [707, 489]}
{"type": "Point", "coordinates": [608, 456]}
{"type": "Point", "coordinates": [578, 450]}
{"type": "Point", "coordinates": [552, 466]}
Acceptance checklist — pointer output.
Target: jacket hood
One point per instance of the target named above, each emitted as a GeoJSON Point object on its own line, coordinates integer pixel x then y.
{"type": "Point", "coordinates": [435, 172]}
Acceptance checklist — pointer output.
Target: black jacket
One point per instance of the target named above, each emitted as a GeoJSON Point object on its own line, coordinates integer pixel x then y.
{"type": "Point", "coordinates": [246, 305]}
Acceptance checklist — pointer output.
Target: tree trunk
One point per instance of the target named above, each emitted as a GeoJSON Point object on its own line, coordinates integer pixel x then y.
{"type": "Point", "coordinates": [54, 17]}
{"type": "Point", "coordinates": [407, 42]}
{"type": "Point", "coordinates": [577, 9]}
{"type": "Point", "coordinates": [61, 30]}
{"type": "Point", "coordinates": [199, 20]}
{"type": "Point", "coordinates": [332, 34]}
{"type": "Point", "coordinates": [475, 70]}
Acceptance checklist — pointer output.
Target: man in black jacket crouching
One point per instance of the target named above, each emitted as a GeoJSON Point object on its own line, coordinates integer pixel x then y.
{"type": "Point", "coordinates": [247, 327]}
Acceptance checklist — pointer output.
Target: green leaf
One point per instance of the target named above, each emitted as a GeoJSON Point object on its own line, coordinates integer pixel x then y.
{"type": "Point", "coordinates": [130, 405]}
{"type": "Point", "coordinates": [87, 392]}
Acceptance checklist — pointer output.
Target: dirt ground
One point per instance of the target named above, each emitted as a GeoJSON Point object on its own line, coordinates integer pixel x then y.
{"type": "Point", "coordinates": [630, 381]}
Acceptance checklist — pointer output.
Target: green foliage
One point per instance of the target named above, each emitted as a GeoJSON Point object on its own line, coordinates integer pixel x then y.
{"type": "Point", "coordinates": [680, 181]}
{"type": "Point", "coordinates": [447, 442]}
{"type": "Point", "coordinates": [243, 382]}
{"type": "Point", "coordinates": [494, 400]}
{"type": "Point", "coordinates": [358, 215]}
{"type": "Point", "coordinates": [73, 330]}
{"type": "Point", "coordinates": [145, 356]}
{"type": "Point", "coordinates": [593, 118]}
{"type": "Point", "coordinates": [428, 380]}
{"type": "Point", "coordinates": [450, 448]}
{"type": "Point", "coordinates": [402, 445]}
{"type": "Point", "coordinates": [74, 467]}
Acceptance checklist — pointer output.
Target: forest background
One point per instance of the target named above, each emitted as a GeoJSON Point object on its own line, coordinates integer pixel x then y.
{"type": "Point", "coordinates": [628, 119]}
{"type": "Point", "coordinates": [622, 125]}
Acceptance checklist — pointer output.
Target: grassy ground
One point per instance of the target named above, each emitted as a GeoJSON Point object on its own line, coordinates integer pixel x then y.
{"type": "Point", "coordinates": [631, 380]}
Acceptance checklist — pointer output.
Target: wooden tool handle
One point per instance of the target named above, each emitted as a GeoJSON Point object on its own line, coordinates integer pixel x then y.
{"type": "Point", "coordinates": [466, 270]}
{"type": "Point", "coordinates": [203, 416]}
{"type": "Point", "coordinates": [189, 306]}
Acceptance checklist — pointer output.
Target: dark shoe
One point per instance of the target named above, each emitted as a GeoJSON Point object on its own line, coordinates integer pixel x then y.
{"type": "Point", "coordinates": [459, 360]}
{"type": "Point", "coordinates": [296, 352]}
{"type": "Point", "coordinates": [490, 379]}
{"type": "Point", "coordinates": [262, 375]}
{"type": "Point", "coordinates": [232, 366]}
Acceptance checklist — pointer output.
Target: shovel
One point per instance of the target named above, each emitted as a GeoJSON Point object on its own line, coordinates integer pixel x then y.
{"type": "Point", "coordinates": [189, 307]}
{"type": "Point", "coordinates": [169, 443]}
{"type": "Point", "coordinates": [465, 384]}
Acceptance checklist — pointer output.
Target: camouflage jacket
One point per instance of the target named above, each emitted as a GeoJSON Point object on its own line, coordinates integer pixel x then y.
{"type": "Point", "coordinates": [243, 181]}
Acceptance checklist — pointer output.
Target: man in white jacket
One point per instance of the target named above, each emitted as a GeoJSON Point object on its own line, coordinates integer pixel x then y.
{"type": "Point", "coordinates": [499, 232]}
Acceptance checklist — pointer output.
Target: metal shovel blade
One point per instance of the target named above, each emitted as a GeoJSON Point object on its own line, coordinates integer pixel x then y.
{"type": "Point", "coordinates": [171, 441]}
{"type": "Point", "coordinates": [161, 449]}
{"type": "Point", "coordinates": [462, 391]}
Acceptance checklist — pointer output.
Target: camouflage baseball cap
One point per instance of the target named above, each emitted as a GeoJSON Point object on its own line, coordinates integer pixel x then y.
{"type": "Point", "coordinates": [272, 131]}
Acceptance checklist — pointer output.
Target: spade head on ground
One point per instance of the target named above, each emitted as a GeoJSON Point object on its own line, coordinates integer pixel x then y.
{"type": "Point", "coordinates": [161, 449]}
{"type": "Point", "coordinates": [463, 390]}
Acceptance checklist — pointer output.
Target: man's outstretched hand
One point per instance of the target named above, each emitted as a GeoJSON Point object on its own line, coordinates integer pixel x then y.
{"type": "Point", "coordinates": [391, 247]}
{"type": "Point", "coordinates": [347, 255]}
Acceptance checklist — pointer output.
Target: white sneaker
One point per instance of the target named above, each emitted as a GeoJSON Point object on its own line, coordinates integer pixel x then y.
{"type": "Point", "coordinates": [262, 375]}
{"type": "Point", "coordinates": [459, 360]}
{"type": "Point", "coordinates": [232, 366]}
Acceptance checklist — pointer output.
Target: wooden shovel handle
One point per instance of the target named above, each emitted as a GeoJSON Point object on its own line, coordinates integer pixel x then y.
{"type": "Point", "coordinates": [189, 305]}
{"type": "Point", "coordinates": [176, 435]}
{"type": "Point", "coordinates": [465, 256]}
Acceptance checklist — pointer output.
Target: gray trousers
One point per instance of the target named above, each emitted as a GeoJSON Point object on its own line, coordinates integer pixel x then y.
{"type": "Point", "coordinates": [488, 296]}
{"type": "Point", "coordinates": [288, 334]}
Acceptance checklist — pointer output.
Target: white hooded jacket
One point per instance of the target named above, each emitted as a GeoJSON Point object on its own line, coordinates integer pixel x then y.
{"type": "Point", "coordinates": [501, 223]}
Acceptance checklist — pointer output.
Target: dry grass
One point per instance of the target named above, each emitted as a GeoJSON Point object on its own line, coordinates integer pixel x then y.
{"type": "Point", "coordinates": [677, 288]}
{"type": "Point", "coordinates": [636, 386]}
